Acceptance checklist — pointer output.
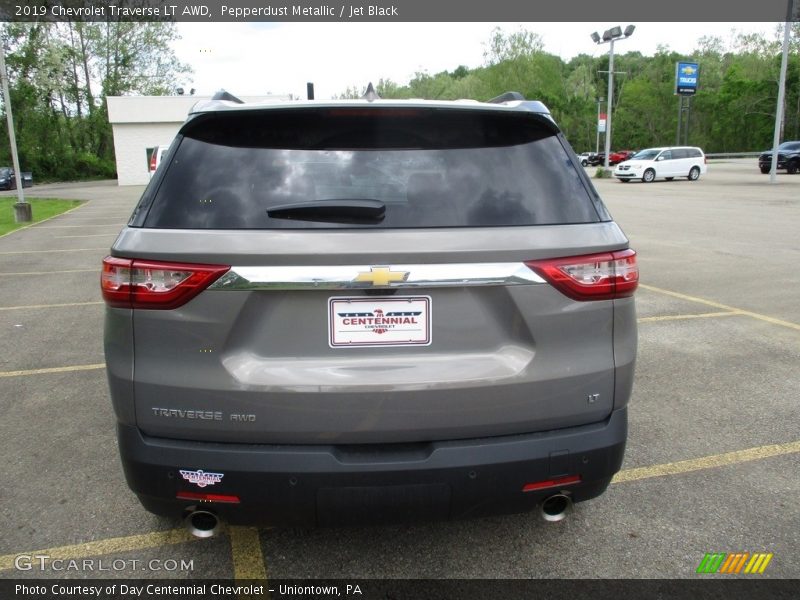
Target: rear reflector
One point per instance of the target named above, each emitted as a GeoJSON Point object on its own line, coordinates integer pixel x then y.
{"type": "Point", "coordinates": [222, 498]}
{"type": "Point", "coordinates": [127, 283]}
{"type": "Point", "coordinates": [551, 483]}
{"type": "Point", "coordinates": [602, 276]}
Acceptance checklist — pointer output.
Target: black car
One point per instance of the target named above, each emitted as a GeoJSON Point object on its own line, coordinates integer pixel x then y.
{"type": "Point", "coordinates": [788, 158]}
{"type": "Point", "coordinates": [9, 182]}
{"type": "Point", "coordinates": [598, 159]}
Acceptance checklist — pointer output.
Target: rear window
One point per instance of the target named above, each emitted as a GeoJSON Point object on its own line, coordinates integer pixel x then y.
{"type": "Point", "coordinates": [429, 168]}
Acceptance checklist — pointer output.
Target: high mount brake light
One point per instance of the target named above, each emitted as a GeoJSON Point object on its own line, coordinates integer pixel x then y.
{"type": "Point", "coordinates": [127, 283]}
{"type": "Point", "coordinates": [603, 276]}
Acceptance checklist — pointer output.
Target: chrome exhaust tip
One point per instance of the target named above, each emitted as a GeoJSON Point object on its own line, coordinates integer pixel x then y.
{"type": "Point", "coordinates": [202, 523]}
{"type": "Point", "coordinates": [556, 507]}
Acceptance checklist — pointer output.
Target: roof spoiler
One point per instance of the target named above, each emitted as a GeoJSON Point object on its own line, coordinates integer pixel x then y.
{"type": "Point", "coordinates": [506, 97]}
{"type": "Point", "coordinates": [223, 95]}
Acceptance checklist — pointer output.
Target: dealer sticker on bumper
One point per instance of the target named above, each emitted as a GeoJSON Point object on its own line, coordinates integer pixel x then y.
{"type": "Point", "coordinates": [357, 322]}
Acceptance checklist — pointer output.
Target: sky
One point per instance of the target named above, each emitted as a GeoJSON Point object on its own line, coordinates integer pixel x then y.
{"type": "Point", "coordinates": [251, 59]}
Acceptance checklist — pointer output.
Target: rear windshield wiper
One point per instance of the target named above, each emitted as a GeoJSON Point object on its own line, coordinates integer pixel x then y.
{"type": "Point", "coordinates": [332, 211]}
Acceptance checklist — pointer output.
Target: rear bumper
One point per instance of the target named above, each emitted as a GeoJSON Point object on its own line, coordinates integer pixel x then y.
{"type": "Point", "coordinates": [354, 485]}
{"type": "Point", "coordinates": [766, 163]}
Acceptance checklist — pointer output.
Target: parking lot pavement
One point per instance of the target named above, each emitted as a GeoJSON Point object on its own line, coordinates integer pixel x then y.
{"type": "Point", "coordinates": [714, 445]}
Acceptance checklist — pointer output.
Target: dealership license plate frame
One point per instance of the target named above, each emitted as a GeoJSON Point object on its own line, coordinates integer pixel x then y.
{"type": "Point", "coordinates": [365, 335]}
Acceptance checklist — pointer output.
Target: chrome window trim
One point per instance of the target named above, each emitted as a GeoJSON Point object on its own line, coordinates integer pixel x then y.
{"type": "Point", "coordinates": [342, 277]}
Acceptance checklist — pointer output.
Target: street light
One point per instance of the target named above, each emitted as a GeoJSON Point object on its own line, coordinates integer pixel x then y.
{"type": "Point", "coordinates": [609, 37]}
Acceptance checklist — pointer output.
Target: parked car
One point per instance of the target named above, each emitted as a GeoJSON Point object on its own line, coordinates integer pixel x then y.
{"type": "Point", "coordinates": [381, 317]}
{"type": "Point", "coordinates": [156, 157]}
{"type": "Point", "coordinates": [619, 156]}
{"type": "Point", "coordinates": [9, 182]}
{"type": "Point", "coordinates": [587, 158]}
{"type": "Point", "coordinates": [788, 158]}
{"type": "Point", "coordinates": [666, 163]}
{"type": "Point", "coordinates": [598, 159]}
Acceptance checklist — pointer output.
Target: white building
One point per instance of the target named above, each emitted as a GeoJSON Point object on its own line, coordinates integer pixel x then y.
{"type": "Point", "coordinates": [140, 123]}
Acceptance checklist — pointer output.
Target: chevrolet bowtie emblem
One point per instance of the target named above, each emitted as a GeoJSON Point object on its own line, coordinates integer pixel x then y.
{"type": "Point", "coordinates": [381, 276]}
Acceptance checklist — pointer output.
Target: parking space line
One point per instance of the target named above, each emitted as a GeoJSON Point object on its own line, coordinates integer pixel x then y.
{"type": "Point", "coordinates": [63, 237]}
{"type": "Point", "coordinates": [108, 546]}
{"type": "Point", "coordinates": [727, 313]}
{"type": "Point", "coordinates": [37, 306]}
{"type": "Point", "coordinates": [52, 251]}
{"type": "Point", "coordinates": [79, 226]}
{"type": "Point", "coordinates": [66, 212]}
{"type": "Point", "coordinates": [707, 462]}
{"type": "Point", "coordinates": [49, 370]}
{"type": "Point", "coordinates": [51, 272]}
{"type": "Point", "coordinates": [755, 315]}
{"type": "Point", "coordinates": [248, 559]}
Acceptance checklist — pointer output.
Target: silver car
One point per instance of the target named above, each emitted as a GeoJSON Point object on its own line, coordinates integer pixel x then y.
{"type": "Point", "coordinates": [369, 311]}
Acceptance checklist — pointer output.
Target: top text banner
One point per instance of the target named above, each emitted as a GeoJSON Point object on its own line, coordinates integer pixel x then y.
{"type": "Point", "coordinates": [396, 10]}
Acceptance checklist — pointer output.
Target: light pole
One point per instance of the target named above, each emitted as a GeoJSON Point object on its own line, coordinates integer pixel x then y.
{"type": "Point", "coordinates": [609, 37]}
{"type": "Point", "coordinates": [22, 210]}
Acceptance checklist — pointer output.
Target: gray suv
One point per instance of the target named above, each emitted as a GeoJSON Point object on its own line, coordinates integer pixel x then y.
{"type": "Point", "coordinates": [369, 311]}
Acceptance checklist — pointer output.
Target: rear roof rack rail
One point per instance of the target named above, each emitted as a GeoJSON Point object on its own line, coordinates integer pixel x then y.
{"type": "Point", "coordinates": [506, 97]}
{"type": "Point", "coordinates": [224, 95]}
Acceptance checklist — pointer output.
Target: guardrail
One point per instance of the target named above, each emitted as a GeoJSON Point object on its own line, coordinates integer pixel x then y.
{"type": "Point", "coordinates": [734, 155]}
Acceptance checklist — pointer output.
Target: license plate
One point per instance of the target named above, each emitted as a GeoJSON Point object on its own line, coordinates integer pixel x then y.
{"type": "Point", "coordinates": [358, 322]}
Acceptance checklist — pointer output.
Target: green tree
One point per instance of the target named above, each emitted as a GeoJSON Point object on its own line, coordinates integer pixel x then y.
{"type": "Point", "coordinates": [60, 75]}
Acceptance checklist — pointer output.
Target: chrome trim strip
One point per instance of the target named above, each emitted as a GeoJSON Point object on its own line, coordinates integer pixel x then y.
{"type": "Point", "coordinates": [338, 277]}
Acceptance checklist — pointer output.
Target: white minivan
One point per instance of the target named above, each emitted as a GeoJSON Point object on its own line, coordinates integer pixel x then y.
{"type": "Point", "coordinates": [666, 163]}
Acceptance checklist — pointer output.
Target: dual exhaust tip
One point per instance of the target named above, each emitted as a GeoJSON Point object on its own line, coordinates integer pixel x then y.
{"type": "Point", "coordinates": [206, 524]}
{"type": "Point", "coordinates": [202, 523]}
{"type": "Point", "coordinates": [556, 507]}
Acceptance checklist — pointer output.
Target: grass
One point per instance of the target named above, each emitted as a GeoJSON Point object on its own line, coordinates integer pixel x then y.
{"type": "Point", "coordinates": [43, 208]}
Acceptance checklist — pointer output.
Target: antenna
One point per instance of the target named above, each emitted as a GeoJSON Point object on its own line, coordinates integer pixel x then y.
{"type": "Point", "coordinates": [370, 95]}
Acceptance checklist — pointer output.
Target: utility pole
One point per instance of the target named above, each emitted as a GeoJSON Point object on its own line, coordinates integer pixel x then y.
{"type": "Point", "coordinates": [776, 138]}
{"type": "Point", "coordinates": [22, 209]}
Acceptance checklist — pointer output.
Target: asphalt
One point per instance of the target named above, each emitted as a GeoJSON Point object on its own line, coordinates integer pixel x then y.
{"type": "Point", "coordinates": [706, 385]}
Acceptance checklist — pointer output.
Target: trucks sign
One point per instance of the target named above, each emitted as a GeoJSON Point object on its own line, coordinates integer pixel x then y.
{"type": "Point", "coordinates": [686, 78]}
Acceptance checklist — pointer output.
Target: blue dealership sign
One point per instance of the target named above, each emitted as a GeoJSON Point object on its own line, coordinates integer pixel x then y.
{"type": "Point", "coordinates": [686, 78]}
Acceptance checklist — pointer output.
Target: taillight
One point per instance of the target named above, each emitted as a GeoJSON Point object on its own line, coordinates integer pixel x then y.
{"type": "Point", "coordinates": [127, 283]}
{"type": "Point", "coordinates": [602, 276]}
{"type": "Point", "coordinates": [153, 160]}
